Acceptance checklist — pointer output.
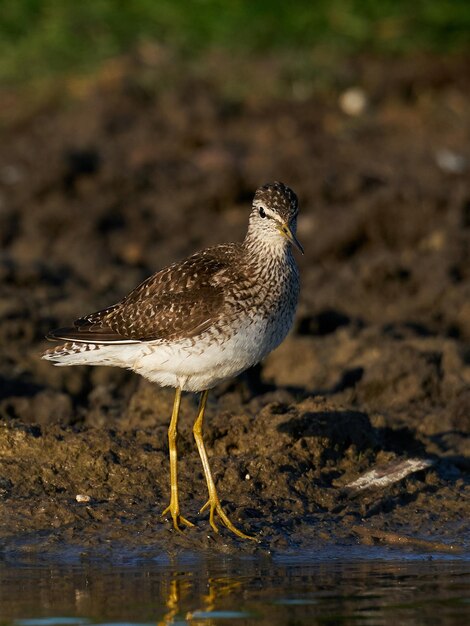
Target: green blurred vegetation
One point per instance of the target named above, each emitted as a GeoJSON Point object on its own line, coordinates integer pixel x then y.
{"type": "Point", "coordinates": [39, 38]}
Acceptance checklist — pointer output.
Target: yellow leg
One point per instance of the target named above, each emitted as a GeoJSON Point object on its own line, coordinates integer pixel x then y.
{"type": "Point", "coordinates": [173, 507]}
{"type": "Point", "coordinates": [213, 502]}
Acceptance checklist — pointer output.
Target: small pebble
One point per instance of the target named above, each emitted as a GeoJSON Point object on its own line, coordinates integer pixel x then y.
{"type": "Point", "coordinates": [353, 101]}
{"type": "Point", "coordinates": [81, 497]}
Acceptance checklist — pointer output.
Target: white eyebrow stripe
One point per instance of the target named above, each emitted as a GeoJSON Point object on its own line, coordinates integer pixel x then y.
{"type": "Point", "coordinates": [271, 213]}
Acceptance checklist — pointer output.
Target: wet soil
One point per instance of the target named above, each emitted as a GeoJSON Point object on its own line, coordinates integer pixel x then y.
{"type": "Point", "coordinates": [99, 192]}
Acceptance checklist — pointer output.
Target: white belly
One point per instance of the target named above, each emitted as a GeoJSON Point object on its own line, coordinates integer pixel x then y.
{"type": "Point", "coordinates": [202, 366]}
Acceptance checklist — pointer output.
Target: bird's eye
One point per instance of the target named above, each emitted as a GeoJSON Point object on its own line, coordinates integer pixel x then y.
{"type": "Point", "coordinates": [262, 212]}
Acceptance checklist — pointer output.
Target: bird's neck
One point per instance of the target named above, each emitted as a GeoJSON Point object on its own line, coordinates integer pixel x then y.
{"type": "Point", "coordinates": [267, 249]}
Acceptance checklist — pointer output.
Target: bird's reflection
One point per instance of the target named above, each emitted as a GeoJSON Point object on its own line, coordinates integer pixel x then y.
{"type": "Point", "coordinates": [181, 589]}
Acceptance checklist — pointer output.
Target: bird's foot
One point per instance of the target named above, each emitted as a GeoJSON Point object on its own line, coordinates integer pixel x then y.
{"type": "Point", "coordinates": [215, 507]}
{"type": "Point", "coordinates": [177, 518]}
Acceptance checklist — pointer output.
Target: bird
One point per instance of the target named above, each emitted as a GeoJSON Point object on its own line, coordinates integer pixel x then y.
{"type": "Point", "coordinates": [199, 322]}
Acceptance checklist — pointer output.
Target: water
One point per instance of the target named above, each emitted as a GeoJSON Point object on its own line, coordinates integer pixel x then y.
{"type": "Point", "coordinates": [225, 591]}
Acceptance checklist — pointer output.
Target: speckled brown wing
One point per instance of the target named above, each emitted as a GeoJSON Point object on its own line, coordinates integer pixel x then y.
{"type": "Point", "coordinates": [181, 300]}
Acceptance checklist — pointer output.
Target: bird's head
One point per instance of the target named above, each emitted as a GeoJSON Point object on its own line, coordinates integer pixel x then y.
{"type": "Point", "coordinates": [274, 214]}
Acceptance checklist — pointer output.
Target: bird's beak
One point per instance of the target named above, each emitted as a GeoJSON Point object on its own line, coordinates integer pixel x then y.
{"type": "Point", "coordinates": [289, 235]}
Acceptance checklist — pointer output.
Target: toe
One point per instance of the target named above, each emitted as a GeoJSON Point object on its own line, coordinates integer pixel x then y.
{"type": "Point", "coordinates": [186, 522]}
{"type": "Point", "coordinates": [206, 506]}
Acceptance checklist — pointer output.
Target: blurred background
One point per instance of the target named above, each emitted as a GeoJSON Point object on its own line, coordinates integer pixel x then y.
{"type": "Point", "coordinates": [40, 38]}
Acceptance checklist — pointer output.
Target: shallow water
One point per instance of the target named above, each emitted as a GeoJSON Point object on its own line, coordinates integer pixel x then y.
{"type": "Point", "coordinates": [222, 590]}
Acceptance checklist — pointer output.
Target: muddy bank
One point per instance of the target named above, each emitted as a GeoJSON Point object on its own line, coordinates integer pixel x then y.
{"type": "Point", "coordinates": [98, 194]}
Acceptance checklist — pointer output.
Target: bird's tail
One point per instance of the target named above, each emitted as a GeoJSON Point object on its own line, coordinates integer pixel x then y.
{"type": "Point", "coordinates": [74, 353]}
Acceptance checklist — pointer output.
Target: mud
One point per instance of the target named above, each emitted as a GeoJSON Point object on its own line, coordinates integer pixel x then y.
{"type": "Point", "coordinates": [99, 192]}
